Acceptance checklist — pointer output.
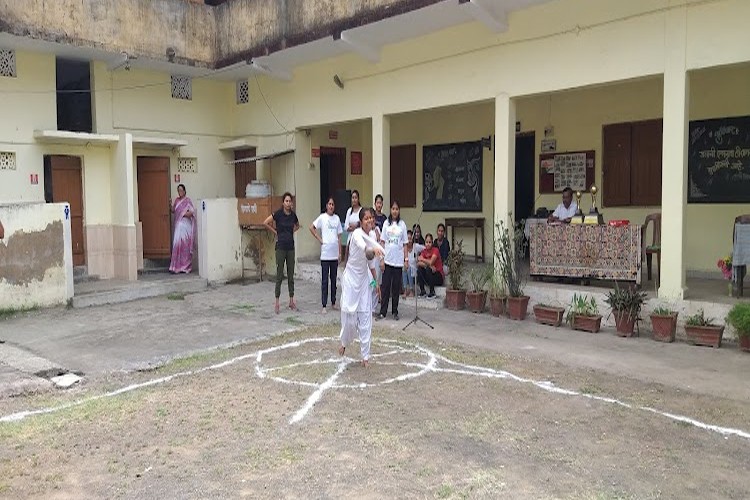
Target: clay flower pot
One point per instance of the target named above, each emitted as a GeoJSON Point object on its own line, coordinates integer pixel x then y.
{"type": "Point", "coordinates": [517, 307]}
{"type": "Point", "coordinates": [745, 343]}
{"type": "Point", "coordinates": [705, 335]}
{"type": "Point", "coordinates": [455, 300]}
{"type": "Point", "coordinates": [625, 323]}
{"type": "Point", "coordinates": [476, 301]}
{"type": "Point", "coordinates": [497, 306]}
{"type": "Point", "coordinates": [664, 327]}
{"type": "Point", "coordinates": [590, 324]}
{"type": "Point", "coordinates": [548, 315]}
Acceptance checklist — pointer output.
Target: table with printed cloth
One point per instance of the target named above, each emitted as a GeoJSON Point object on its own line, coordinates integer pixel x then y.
{"type": "Point", "coordinates": [586, 251]}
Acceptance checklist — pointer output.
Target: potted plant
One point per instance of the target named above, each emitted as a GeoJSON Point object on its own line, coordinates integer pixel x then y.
{"type": "Point", "coordinates": [476, 298]}
{"type": "Point", "coordinates": [497, 295]}
{"type": "Point", "coordinates": [701, 330]}
{"type": "Point", "coordinates": [508, 251]}
{"type": "Point", "coordinates": [626, 306]}
{"type": "Point", "coordinates": [739, 318]}
{"type": "Point", "coordinates": [548, 315]}
{"type": "Point", "coordinates": [455, 295]}
{"type": "Point", "coordinates": [664, 324]}
{"type": "Point", "coordinates": [584, 314]}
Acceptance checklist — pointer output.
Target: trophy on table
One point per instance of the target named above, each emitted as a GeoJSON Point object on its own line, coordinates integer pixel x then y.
{"type": "Point", "coordinates": [578, 217]}
{"type": "Point", "coordinates": [594, 217]}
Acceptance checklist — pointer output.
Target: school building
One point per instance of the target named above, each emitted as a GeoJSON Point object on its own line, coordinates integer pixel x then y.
{"type": "Point", "coordinates": [109, 104]}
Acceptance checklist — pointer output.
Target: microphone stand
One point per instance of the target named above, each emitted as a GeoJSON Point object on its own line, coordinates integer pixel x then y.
{"type": "Point", "coordinates": [416, 319]}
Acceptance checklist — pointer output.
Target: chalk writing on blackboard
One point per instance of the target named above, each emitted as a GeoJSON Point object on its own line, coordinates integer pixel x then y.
{"type": "Point", "coordinates": [719, 161]}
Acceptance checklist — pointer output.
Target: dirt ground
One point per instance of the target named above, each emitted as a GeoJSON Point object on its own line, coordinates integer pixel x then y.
{"type": "Point", "coordinates": [426, 420]}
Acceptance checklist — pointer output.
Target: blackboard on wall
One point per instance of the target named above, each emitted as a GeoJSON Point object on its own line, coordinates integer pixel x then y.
{"type": "Point", "coordinates": [719, 161]}
{"type": "Point", "coordinates": [452, 177]}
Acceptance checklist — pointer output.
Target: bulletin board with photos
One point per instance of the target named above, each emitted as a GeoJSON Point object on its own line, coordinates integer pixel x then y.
{"type": "Point", "coordinates": [559, 170]}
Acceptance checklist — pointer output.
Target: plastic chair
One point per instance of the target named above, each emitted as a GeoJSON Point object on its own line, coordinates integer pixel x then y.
{"type": "Point", "coordinates": [655, 246]}
{"type": "Point", "coordinates": [740, 270]}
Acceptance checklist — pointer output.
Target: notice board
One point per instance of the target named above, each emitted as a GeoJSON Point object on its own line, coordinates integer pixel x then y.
{"type": "Point", "coordinates": [452, 177]}
{"type": "Point", "coordinates": [719, 161]}
{"type": "Point", "coordinates": [572, 168]}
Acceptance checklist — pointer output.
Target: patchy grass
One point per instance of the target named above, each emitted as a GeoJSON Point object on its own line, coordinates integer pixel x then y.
{"type": "Point", "coordinates": [293, 320]}
{"type": "Point", "coordinates": [12, 311]}
{"type": "Point", "coordinates": [246, 308]}
{"type": "Point", "coordinates": [176, 296]}
{"type": "Point", "coordinates": [445, 491]}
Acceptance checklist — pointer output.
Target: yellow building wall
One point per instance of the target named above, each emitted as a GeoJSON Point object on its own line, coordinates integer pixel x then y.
{"type": "Point", "coordinates": [578, 117]}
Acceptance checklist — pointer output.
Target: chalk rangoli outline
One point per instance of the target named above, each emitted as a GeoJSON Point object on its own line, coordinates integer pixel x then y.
{"type": "Point", "coordinates": [342, 362]}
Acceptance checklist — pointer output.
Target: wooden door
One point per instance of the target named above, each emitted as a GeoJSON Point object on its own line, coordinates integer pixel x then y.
{"type": "Point", "coordinates": [332, 172]}
{"type": "Point", "coordinates": [243, 172]}
{"type": "Point", "coordinates": [67, 187]}
{"type": "Point", "coordinates": [404, 175]}
{"type": "Point", "coordinates": [154, 206]}
{"type": "Point", "coordinates": [525, 166]}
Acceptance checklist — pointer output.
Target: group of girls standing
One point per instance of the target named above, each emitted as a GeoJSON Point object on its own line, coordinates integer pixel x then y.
{"type": "Point", "coordinates": [383, 258]}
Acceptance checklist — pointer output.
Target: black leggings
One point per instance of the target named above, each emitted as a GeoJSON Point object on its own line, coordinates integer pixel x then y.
{"type": "Point", "coordinates": [330, 268]}
{"type": "Point", "coordinates": [426, 276]}
{"type": "Point", "coordinates": [390, 288]}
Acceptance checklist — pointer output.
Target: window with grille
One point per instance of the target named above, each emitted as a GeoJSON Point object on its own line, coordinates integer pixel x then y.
{"type": "Point", "coordinates": [7, 160]}
{"type": "Point", "coordinates": [243, 92]}
{"type": "Point", "coordinates": [182, 87]}
{"type": "Point", "coordinates": [8, 63]}
{"type": "Point", "coordinates": [187, 165]}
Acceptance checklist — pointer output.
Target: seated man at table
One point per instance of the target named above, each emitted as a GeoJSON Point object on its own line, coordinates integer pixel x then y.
{"type": "Point", "coordinates": [565, 210]}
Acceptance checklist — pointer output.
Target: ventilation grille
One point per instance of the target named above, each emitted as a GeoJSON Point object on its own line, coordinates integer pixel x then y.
{"type": "Point", "coordinates": [243, 92]}
{"type": "Point", "coordinates": [8, 63]}
{"type": "Point", "coordinates": [187, 165]}
{"type": "Point", "coordinates": [7, 160]}
{"type": "Point", "coordinates": [182, 87]}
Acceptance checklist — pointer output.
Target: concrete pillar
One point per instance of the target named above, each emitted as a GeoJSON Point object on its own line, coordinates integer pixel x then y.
{"type": "Point", "coordinates": [124, 191]}
{"type": "Point", "coordinates": [674, 158]}
{"type": "Point", "coordinates": [381, 158]}
{"type": "Point", "coordinates": [505, 158]}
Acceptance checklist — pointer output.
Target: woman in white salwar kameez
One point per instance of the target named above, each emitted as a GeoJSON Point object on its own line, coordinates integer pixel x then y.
{"type": "Point", "coordinates": [357, 283]}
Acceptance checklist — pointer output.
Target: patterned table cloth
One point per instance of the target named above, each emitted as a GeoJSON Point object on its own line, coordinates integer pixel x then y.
{"type": "Point", "coordinates": [586, 251]}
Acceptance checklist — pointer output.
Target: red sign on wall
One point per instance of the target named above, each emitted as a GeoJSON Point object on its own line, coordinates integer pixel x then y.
{"type": "Point", "coordinates": [333, 134]}
{"type": "Point", "coordinates": [176, 178]}
{"type": "Point", "coordinates": [316, 153]}
{"type": "Point", "coordinates": [34, 178]}
{"type": "Point", "coordinates": [356, 163]}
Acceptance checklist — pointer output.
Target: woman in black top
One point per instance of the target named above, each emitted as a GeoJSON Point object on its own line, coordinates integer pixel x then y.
{"type": "Point", "coordinates": [284, 223]}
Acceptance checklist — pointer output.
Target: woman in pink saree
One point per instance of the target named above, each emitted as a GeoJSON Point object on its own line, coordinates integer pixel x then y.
{"type": "Point", "coordinates": [184, 233]}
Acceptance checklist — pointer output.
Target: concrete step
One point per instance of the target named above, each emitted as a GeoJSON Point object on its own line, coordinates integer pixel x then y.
{"type": "Point", "coordinates": [118, 292]}
{"type": "Point", "coordinates": [85, 278]}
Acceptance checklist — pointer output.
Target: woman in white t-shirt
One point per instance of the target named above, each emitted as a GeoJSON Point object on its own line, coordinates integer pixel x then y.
{"type": "Point", "coordinates": [351, 221]}
{"type": "Point", "coordinates": [327, 229]}
{"type": "Point", "coordinates": [395, 237]}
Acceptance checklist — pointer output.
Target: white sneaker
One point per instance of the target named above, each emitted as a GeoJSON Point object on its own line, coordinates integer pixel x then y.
{"type": "Point", "coordinates": [325, 311]}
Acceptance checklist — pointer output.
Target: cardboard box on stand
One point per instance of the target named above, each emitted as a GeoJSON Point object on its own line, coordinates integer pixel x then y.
{"type": "Point", "coordinates": [253, 211]}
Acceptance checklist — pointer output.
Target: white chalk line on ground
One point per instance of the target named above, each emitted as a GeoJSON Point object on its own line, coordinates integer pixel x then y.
{"type": "Point", "coordinates": [343, 362]}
